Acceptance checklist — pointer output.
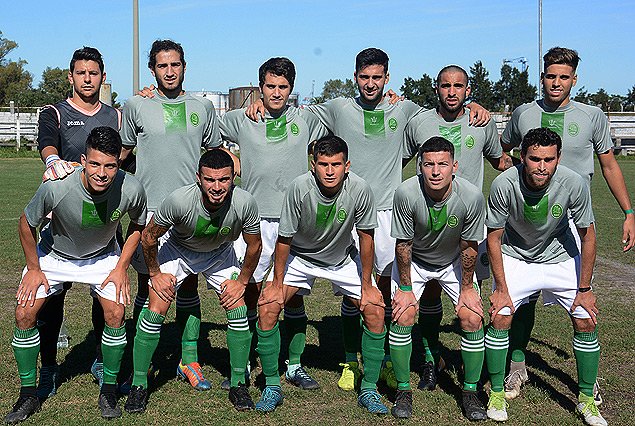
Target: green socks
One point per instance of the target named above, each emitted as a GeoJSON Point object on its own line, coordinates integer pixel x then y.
{"type": "Point", "coordinates": [522, 326]}
{"type": "Point", "coordinates": [295, 322]}
{"type": "Point", "coordinates": [26, 346]}
{"type": "Point", "coordinates": [351, 330]}
{"type": "Point", "coordinates": [238, 342]}
{"type": "Point", "coordinates": [188, 318]}
{"type": "Point", "coordinates": [113, 343]}
{"type": "Point", "coordinates": [145, 343]}
{"type": "Point", "coordinates": [587, 357]}
{"type": "Point", "coordinates": [400, 339]}
{"type": "Point", "coordinates": [430, 316]}
{"type": "Point", "coordinates": [496, 345]}
{"type": "Point", "coordinates": [269, 350]}
{"type": "Point", "coordinates": [373, 354]}
{"type": "Point", "coordinates": [473, 354]}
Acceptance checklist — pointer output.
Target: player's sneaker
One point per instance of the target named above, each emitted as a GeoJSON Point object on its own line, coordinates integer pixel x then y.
{"type": "Point", "coordinates": [371, 400]}
{"type": "Point", "coordinates": [97, 370]}
{"type": "Point", "coordinates": [428, 376]}
{"type": "Point", "coordinates": [240, 398]}
{"type": "Point", "coordinates": [597, 397]}
{"type": "Point", "coordinates": [351, 375]}
{"type": "Point", "coordinates": [515, 379]}
{"type": "Point", "coordinates": [473, 408]}
{"type": "Point", "coordinates": [193, 374]}
{"type": "Point", "coordinates": [22, 409]}
{"type": "Point", "coordinates": [108, 405]}
{"type": "Point", "coordinates": [271, 397]}
{"type": "Point", "coordinates": [137, 400]}
{"type": "Point", "coordinates": [589, 411]}
{"type": "Point", "coordinates": [497, 406]}
{"type": "Point", "coordinates": [300, 378]}
{"type": "Point", "coordinates": [124, 388]}
{"type": "Point", "coordinates": [403, 404]}
{"type": "Point", "coordinates": [47, 387]}
{"type": "Point", "coordinates": [387, 374]}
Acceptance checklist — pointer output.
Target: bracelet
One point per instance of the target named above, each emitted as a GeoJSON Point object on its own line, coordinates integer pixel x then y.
{"type": "Point", "coordinates": [628, 211]}
{"type": "Point", "coordinates": [405, 287]}
{"type": "Point", "coordinates": [584, 289]}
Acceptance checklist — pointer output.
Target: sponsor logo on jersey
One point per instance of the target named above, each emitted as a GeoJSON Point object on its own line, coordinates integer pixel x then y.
{"type": "Point", "coordinates": [453, 221]}
{"type": "Point", "coordinates": [325, 214]}
{"type": "Point", "coordinates": [374, 123]}
{"type": "Point", "coordinates": [341, 215]}
{"type": "Point", "coordinates": [115, 215]}
{"type": "Point", "coordinates": [276, 129]}
{"type": "Point", "coordinates": [437, 218]}
{"type": "Point", "coordinates": [469, 141]}
{"type": "Point", "coordinates": [553, 121]}
{"type": "Point", "coordinates": [94, 215]}
{"type": "Point", "coordinates": [556, 211]}
{"type": "Point", "coordinates": [71, 123]}
{"type": "Point", "coordinates": [206, 227]}
{"type": "Point", "coordinates": [392, 124]}
{"type": "Point", "coordinates": [535, 210]}
{"type": "Point", "coordinates": [573, 129]}
{"type": "Point", "coordinates": [175, 118]}
{"type": "Point", "coordinates": [453, 134]}
{"type": "Point", "coordinates": [194, 119]}
{"type": "Point", "coordinates": [295, 129]}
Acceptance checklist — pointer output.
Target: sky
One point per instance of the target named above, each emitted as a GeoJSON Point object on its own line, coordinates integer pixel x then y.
{"type": "Point", "coordinates": [225, 41]}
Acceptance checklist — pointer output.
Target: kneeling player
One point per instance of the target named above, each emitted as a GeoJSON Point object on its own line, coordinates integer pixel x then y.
{"type": "Point", "coordinates": [532, 248]}
{"type": "Point", "coordinates": [203, 220]}
{"type": "Point", "coordinates": [320, 210]}
{"type": "Point", "coordinates": [79, 245]}
{"type": "Point", "coordinates": [437, 221]}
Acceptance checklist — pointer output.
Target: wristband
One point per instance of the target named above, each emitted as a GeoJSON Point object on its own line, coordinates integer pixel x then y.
{"type": "Point", "coordinates": [628, 211]}
{"type": "Point", "coordinates": [53, 157]}
{"type": "Point", "coordinates": [584, 289]}
{"type": "Point", "coordinates": [405, 287]}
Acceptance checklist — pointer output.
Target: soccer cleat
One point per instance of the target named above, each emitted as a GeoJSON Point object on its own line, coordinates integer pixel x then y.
{"type": "Point", "coordinates": [589, 411]}
{"type": "Point", "coordinates": [227, 384]}
{"type": "Point", "coordinates": [403, 404]}
{"type": "Point", "coordinates": [497, 406]}
{"type": "Point", "coordinates": [124, 388]}
{"type": "Point", "coordinates": [387, 374]}
{"type": "Point", "coordinates": [108, 405]}
{"type": "Point", "coordinates": [271, 397]}
{"type": "Point", "coordinates": [371, 400]}
{"type": "Point", "coordinates": [428, 376]}
{"type": "Point", "coordinates": [240, 398]}
{"type": "Point", "coordinates": [22, 409]}
{"type": "Point", "coordinates": [597, 397]}
{"type": "Point", "coordinates": [351, 375]}
{"type": "Point", "coordinates": [48, 381]}
{"type": "Point", "coordinates": [193, 374]}
{"type": "Point", "coordinates": [515, 379]}
{"type": "Point", "coordinates": [97, 370]}
{"type": "Point", "coordinates": [473, 407]}
{"type": "Point", "coordinates": [137, 400]}
{"type": "Point", "coordinates": [301, 379]}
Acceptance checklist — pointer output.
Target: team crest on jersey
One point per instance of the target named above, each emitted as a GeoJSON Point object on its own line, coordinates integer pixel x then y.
{"type": "Point", "coordinates": [225, 230]}
{"type": "Point", "coordinates": [392, 124]}
{"type": "Point", "coordinates": [556, 211]}
{"type": "Point", "coordinates": [194, 119]}
{"type": "Point", "coordinates": [469, 141]}
{"type": "Point", "coordinates": [453, 221]}
{"type": "Point", "coordinates": [295, 129]}
{"type": "Point", "coordinates": [115, 215]}
{"type": "Point", "coordinates": [341, 215]}
{"type": "Point", "coordinates": [573, 129]}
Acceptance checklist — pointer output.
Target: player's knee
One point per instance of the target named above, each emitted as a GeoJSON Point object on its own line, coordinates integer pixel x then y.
{"type": "Point", "coordinates": [407, 319]}
{"type": "Point", "coordinates": [583, 325]}
{"type": "Point", "coordinates": [502, 322]}
{"type": "Point", "coordinates": [25, 317]}
{"type": "Point", "coordinates": [469, 320]}
{"type": "Point", "coordinates": [373, 317]}
{"type": "Point", "coordinates": [114, 314]}
{"type": "Point", "coordinates": [268, 315]}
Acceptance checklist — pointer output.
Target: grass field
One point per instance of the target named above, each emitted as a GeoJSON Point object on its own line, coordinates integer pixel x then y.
{"type": "Point", "coordinates": [547, 399]}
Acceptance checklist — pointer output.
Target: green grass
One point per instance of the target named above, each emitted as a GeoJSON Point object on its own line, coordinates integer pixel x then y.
{"type": "Point", "coordinates": [548, 399]}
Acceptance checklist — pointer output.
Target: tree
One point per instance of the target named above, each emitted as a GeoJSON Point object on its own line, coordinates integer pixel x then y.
{"type": "Point", "coordinates": [582, 95]}
{"type": "Point", "coordinates": [115, 104]}
{"type": "Point", "coordinates": [15, 81]}
{"type": "Point", "coordinates": [420, 91]}
{"type": "Point", "coordinates": [481, 86]}
{"type": "Point", "coordinates": [513, 89]}
{"type": "Point", "coordinates": [335, 88]}
{"type": "Point", "coordinates": [54, 85]}
{"type": "Point", "coordinates": [629, 102]}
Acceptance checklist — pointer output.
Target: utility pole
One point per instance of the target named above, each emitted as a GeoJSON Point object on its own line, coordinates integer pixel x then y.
{"type": "Point", "coordinates": [135, 46]}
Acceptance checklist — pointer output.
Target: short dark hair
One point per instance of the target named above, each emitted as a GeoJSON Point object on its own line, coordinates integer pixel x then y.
{"type": "Point", "coordinates": [163, 46]}
{"type": "Point", "coordinates": [280, 67]}
{"type": "Point", "coordinates": [87, 54]}
{"type": "Point", "coordinates": [330, 145]}
{"type": "Point", "coordinates": [540, 137]}
{"type": "Point", "coordinates": [437, 144]}
{"type": "Point", "coordinates": [561, 55]}
{"type": "Point", "coordinates": [454, 68]}
{"type": "Point", "coordinates": [216, 159]}
{"type": "Point", "coordinates": [371, 56]}
{"type": "Point", "coordinates": [104, 139]}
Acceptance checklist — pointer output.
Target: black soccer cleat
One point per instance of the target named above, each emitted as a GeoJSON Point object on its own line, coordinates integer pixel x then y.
{"type": "Point", "coordinates": [301, 379]}
{"type": "Point", "coordinates": [428, 376]}
{"type": "Point", "coordinates": [25, 406]}
{"type": "Point", "coordinates": [240, 398]}
{"type": "Point", "coordinates": [473, 408]}
{"type": "Point", "coordinates": [137, 400]}
{"type": "Point", "coordinates": [403, 404]}
{"type": "Point", "coordinates": [108, 405]}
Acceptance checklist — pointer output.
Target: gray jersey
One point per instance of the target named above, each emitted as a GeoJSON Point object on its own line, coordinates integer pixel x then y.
{"type": "Point", "coordinates": [83, 225]}
{"type": "Point", "coordinates": [195, 228]}
{"type": "Point", "coordinates": [321, 227]}
{"type": "Point", "coordinates": [470, 143]}
{"type": "Point", "coordinates": [437, 228]}
{"type": "Point", "coordinates": [168, 134]}
{"type": "Point", "coordinates": [535, 222]}
{"type": "Point", "coordinates": [375, 139]}
{"type": "Point", "coordinates": [272, 153]}
{"type": "Point", "coordinates": [584, 129]}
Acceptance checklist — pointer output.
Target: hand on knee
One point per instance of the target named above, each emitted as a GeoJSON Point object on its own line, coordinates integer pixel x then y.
{"type": "Point", "coordinates": [25, 317]}
{"type": "Point", "coordinates": [470, 321]}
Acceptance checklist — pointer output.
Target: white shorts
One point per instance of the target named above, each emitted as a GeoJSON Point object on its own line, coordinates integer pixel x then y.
{"type": "Point", "coordinates": [89, 271]}
{"type": "Point", "coordinates": [482, 261]}
{"type": "Point", "coordinates": [384, 243]}
{"type": "Point", "coordinates": [346, 279]}
{"type": "Point", "coordinates": [269, 236]}
{"type": "Point", "coordinates": [558, 282]}
{"type": "Point", "coordinates": [449, 278]}
{"type": "Point", "coordinates": [217, 267]}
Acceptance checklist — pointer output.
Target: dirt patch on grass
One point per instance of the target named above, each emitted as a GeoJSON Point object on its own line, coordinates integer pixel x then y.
{"type": "Point", "coordinates": [614, 274]}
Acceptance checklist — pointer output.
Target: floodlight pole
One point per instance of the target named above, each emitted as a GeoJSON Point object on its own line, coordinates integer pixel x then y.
{"type": "Point", "coordinates": [135, 46]}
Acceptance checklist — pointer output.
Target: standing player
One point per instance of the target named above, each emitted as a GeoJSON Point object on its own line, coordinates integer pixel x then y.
{"type": "Point", "coordinates": [471, 144]}
{"type": "Point", "coordinates": [315, 240]}
{"type": "Point", "coordinates": [203, 219]}
{"type": "Point", "coordinates": [79, 244]}
{"type": "Point", "coordinates": [169, 131]}
{"type": "Point", "coordinates": [584, 130]}
{"type": "Point", "coordinates": [532, 248]}
{"type": "Point", "coordinates": [437, 221]}
{"type": "Point", "coordinates": [273, 152]}
{"type": "Point", "coordinates": [62, 132]}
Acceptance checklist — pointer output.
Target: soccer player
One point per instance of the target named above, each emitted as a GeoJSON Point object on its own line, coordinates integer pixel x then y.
{"type": "Point", "coordinates": [437, 221]}
{"type": "Point", "coordinates": [450, 121]}
{"type": "Point", "coordinates": [203, 220]}
{"type": "Point", "coordinates": [79, 245]}
{"type": "Point", "coordinates": [273, 152]}
{"type": "Point", "coordinates": [168, 131]}
{"type": "Point", "coordinates": [315, 240]}
{"type": "Point", "coordinates": [532, 248]}
{"type": "Point", "coordinates": [62, 132]}
{"type": "Point", "coordinates": [584, 130]}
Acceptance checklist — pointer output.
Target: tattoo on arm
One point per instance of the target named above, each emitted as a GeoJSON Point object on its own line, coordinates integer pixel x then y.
{"type": "Point", "coordinates": [150, 245]}
{"type": "Point", "coordinates": [403, 251]}
{"type": "Point", "coordinates": [468, 263]}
